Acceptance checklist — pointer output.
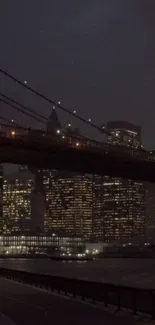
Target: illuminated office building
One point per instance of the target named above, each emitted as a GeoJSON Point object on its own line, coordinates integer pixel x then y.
{"type": "Point", "coordinates": [17, 196]}
{"type": "Point", "coordinates": [119, 204]}
{"type": "Point", "coordinates": [124, 133]}
{"type": "Point", "coordinates": [68, 204]}
{"type": "Point", "coordinates": [150, 204]}
{"type": "Point", "coordinates": [68, 197]}
{"type": "Point", "coordinates": [1, 198]}
{"type": "Point", "coordinates": [123, 200]}
{"type": "Point", "coordinates": [97, 208]}
{"type": "Point", "coordinates": [41, 243]}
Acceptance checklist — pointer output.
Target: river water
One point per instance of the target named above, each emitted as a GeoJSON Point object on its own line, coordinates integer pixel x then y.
{"type": "Point", "coordinates": [132, 272]}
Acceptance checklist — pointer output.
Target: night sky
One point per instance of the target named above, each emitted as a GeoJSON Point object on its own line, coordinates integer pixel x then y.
{"type": "Point", "coordinates": [97, 56]}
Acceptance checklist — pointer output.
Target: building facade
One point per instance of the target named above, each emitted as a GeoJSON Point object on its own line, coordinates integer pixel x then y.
{"type": "Point", "coordinates": [1, 198]}
{"type": "Point", "coordinates": [120, 212]}
{"type": "Point", "coordinates": [124, 133]}
{"type": "Point", "coordinates": [17, 195]}
{"type": "Point", "coordinates": [38, 244]}
{"type": "Point", "coordinates": [68, 208]}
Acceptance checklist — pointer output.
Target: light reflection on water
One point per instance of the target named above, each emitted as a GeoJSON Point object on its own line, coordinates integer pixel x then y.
{"type": "Point", "coordinates": [134, 272]}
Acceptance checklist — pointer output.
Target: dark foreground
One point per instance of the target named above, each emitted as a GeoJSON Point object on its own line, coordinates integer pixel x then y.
{"type": "Point", "coordinates": [26, 305]}
{"type": "Point", "coordinates": [134, 299]}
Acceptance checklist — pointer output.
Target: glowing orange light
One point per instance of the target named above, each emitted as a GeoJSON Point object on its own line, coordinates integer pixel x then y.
{"type": "Point", "coordinates": [13, 133]}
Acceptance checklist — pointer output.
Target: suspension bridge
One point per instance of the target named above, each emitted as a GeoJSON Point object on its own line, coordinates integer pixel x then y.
{"type": "Point", "coordinates": [66, 150]}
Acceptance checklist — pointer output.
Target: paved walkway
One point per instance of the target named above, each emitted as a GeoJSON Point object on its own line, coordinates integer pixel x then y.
{"type": "Point", "coordinates": [4, 320]}
{"type": "Point", "coordinates": [26, 305]}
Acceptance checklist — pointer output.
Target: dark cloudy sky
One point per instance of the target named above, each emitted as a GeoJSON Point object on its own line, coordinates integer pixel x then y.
{"type": "Point", "coordinates": [97, 56]}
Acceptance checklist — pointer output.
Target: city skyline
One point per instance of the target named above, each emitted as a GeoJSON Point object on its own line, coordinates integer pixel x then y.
{"type": "Point", "coordinates": [77, 126]}
{"type": "Point", "coordinates": [92, 207]}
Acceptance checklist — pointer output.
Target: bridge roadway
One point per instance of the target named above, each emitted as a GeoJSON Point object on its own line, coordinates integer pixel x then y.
{"type": "Point", "coordinates": [25, 305]}
{"type": "Point", "coordinates": [77, 159]}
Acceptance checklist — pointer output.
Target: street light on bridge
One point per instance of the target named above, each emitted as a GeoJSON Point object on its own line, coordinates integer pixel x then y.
{"type": "Point", "coordinates": [58, 131]}
{"type": "Point", "coordinates": [13, 133]}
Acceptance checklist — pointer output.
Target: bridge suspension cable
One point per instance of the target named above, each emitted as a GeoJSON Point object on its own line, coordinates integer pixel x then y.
{"type": "Point", "coordinates": [66, 110]}
{"type": "Point", "coordinates": [10, 123]}
{"type": "Point", "coordinates": [21, 105]}
{"type": "Point", "coordinates": [21, 110]}
{"type": "Point", "coordinates": [37, 117]}
{"type": "Point", "coordinates": [88, 122]}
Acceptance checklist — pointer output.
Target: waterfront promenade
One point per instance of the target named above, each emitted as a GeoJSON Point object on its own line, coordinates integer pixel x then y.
{"type": "Point", "coordinates": [25, 305]}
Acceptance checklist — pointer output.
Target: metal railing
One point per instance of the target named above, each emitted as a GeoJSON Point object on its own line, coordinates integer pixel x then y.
{"type": "Point", "coordinates": [135, 299]}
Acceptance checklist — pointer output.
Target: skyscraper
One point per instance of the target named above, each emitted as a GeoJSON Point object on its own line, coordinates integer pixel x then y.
{"type": "Point", "coordinates": [124, 133]}
{"type": "Point", "coordinates": [68, 204]}
{"type": "Point", "coordinates": [17, 191]}
{"type": "Point", "coordinates": [68, 197]}
{"type": "Point", "coordinates": [1, 198]}
{"type": "Point", "coordinates": [150, 204]}
{"type": "Point", "coordinates": [120, 202]}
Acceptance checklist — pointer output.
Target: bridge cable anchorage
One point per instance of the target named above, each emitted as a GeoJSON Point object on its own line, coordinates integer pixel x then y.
{"type": "Point", "coordinates": [88, 122]}
{"type": "Point", "coordinates": [38, 119]}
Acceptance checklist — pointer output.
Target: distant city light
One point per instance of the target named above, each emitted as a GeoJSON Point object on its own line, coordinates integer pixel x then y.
{"type": "Point", "coordinates": [89, 120]}
{"type": "Point", "coordinates": [69, 124]}
{"type": "Point", "coordinates": [77, 144]}
{"type": "Point", "coordinates": [12, 121]}
{"type": "Point", "coordinates": [25, 82]}
{"type": "Point", "coordinates": [74, 112]}
{"type": "Point", "coordinates": [53, 107]}
{"type": "Point", "coordinates": [13, 133]}
{"type": "Point", "coordinates": [63, 137]}
{"type": "Point", "coordinates": [58, 131]}
{"type": "Point", "coordinates": [59, 102]}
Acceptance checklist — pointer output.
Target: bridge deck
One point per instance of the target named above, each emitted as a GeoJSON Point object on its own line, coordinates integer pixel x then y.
{"type": "Point", "coordinates": [81, 160]}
